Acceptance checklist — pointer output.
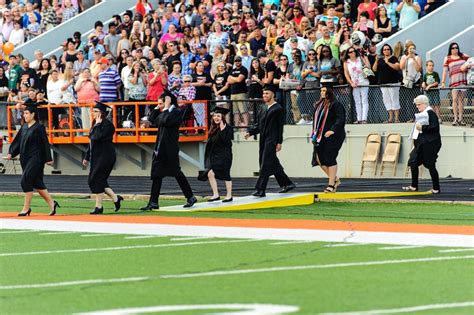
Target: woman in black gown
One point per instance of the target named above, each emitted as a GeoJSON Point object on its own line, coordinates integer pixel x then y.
{"type": "Point", "coordinates": [218, 155]}
{"type": "Point", "coordinates": [101, 156]}
{"type": "Point", "coordinates": [328, 135]}
{"type": "Point", "coordinates": [32, 144]}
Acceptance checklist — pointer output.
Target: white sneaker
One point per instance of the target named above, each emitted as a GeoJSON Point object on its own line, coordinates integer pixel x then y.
{"type": "Point", "coordinates": [309, 122]}
{"type": "Point", "coordinates": [301, 122]}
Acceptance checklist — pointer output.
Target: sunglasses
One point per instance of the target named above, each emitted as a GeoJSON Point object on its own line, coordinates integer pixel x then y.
{"type": "Point", "coordinates": [311, 54]}
{"type": "Point", "coordinates": [351, 51]}
{"type": "Point", "coordinates": [187, 81]}
{"type": "Point", "coordinates": [455, 47]}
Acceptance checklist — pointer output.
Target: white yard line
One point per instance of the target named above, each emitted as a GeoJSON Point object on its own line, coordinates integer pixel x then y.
{"type": "Point", "coordinates": [276, 234]}
{"type": "Point", "coordinates": [71, 283]}
{"type": "Point", "coordinates": [307, 267]}
{"type": "Point", "coordinates": [97, 235]}
{"type": "Point", "coordinates": [14, 232]}
{"type": "Point", "coordinates": [292, 242]}
{"type": "Point", "coordinates": [57, 233]}
{"type": "Point", "coordinates": [412, 309]}
{"type": "Point", "coordinates": [400, 247]}
{"type": "Point", "coordinates": [343, 245]}
{"type": "Point", "coordinates": [456, 250]}
{"type": "Point", "coordinates": [141, 236]}
{"type": "Point", "coordinates": [83, 250]}
{"type": "Point", "coordinates": [189, 238]}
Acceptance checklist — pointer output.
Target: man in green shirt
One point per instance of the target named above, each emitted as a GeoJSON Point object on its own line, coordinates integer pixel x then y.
{"type": "Point", "coordinates": [328, 40]}
{"type": "Point", "coordinates": [13, 73]}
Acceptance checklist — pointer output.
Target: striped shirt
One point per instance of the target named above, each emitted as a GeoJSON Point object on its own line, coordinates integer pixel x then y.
{"type": "Point", "coordinates": [109, 82]}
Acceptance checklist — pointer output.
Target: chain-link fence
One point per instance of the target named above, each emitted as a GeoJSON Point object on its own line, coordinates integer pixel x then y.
{"type": "Point", "coordinates": [243, 113]}
{"type": "Point", "coordinates": [372, 104]}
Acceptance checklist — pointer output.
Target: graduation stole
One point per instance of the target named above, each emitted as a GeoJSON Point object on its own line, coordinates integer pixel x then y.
{"type": "Point", "coordinates": [320, 116]}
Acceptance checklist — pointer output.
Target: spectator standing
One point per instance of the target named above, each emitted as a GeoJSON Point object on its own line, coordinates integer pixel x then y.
{"type": "Point", "coordinates": [137, 89]}
{"type": "Point", "coordinates": [124, 43]}
{"type": "Point", "coordinates": [157, 80]}
{"type": "Point", "coordinates": [17, 35]}
{"type": "Point", "coordinates": [310, 70]}
{"type": "Point", "coordinates": [185, 58]}
{"type": "Point", "coordinates": [175, 80]}
{"type": "Point", "coordinates": [80, 64]}
{"type": "Point", "coordinates": [33, 29]}
{"type": "Point", "coordinates": [172, 55]}
{"type": "Point", "coordinates": [171, 36]}
{"type": "Point", "coordinates": [217, 37]}
{"type": "Point", "coordinates": [391, 9]}
{"type": "Point", "coordinates": [452, 68]}
{"type": "Point", "coordinates": [87, 89]}
{"type": "Point", "coordinates": [111, 41]}
{"type": "Point", "coordinates": [109, 82]}
{"type": "Point", "coordinates": [218, 56]}
{"type": "Point", "coordinates": [203, 82]}
{"type": "Point", "coordinates": [353, 70]}
{"type": "Point", "coordinates": [295, 72]}
{"type": "Point", "coordinates": [258, 42]}
{"type": "Point", "coordinates": [246, 58]}
{"type": "Point", "coordinates": [411, 66]}
{"type": "Point", "coordinates": [69, 11]}
{"type": "Point", "coordinates": [408, 10]}
{"type": "Point", "coordinates": [7, 25]}
{"type": "Point", "coordinates": [328, 40]}
{"type": "Point", "coordinates": [256, 80]}
{"type": "Point", "coordinates": [42, 75]}
{"type": "Point", "coordinates": [29, 10]}
{"type": "Point", "coordinates": [202, 56]}
{"type": "Point", "coordinates": [368, 6]}
{"type": "Point", "coordinates": [387, 69]}
{"type": "Point", "coordinates": [69, 54]}
{"type": "Point", "coordinates": [328, 67]}
{"type": "Point", "coordinates": [238, 92]}
{"type": "Point", "coordinates": [14, 72]}
{"type": "Point", "coordinates": [382, 24]}
{"type": "Point", "coordinates": [48, 16]}
{"type": "Point", "coordinates": [38, 58]}
{"type": "Point", "coordinates": [220, 87]}
{"type": "Point", "coordinates": [430, 84]}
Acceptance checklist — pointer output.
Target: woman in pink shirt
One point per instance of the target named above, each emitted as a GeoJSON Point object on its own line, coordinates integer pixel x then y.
{"type": "Point", "coordinates": [157, 80]}
{"type": "Point", "coordinates": [87, 89]}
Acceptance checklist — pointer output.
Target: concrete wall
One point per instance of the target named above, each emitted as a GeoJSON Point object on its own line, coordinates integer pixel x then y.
{"type": "Point", "coordinates": [455, 159]}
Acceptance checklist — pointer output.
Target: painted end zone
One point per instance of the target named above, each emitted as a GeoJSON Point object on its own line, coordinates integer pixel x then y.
{"type": "Point", "coordinates": [369, 194]}
{"type": "Point", "coordinates": [249, 203]}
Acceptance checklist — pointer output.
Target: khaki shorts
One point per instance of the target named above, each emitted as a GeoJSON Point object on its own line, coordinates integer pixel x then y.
{"type": "Point", "coordinates": [238, 107]}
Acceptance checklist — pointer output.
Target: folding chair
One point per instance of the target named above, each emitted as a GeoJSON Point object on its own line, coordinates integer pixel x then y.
{"type": "Point", "coordinates": [371, 151]}
{"type": "Point", "coordinates": [391, 152]}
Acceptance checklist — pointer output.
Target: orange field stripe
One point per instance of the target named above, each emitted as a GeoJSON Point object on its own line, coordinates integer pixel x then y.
{"type": "Point", "coordinates": [259, 223]}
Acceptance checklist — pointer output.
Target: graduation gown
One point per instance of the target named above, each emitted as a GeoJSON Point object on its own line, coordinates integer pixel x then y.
{"type": "Point", "coordinates": [166, 152]}
{"type": "Point", "coordinates": [328, 148]}
{"type": "Point", "coordinates": [101, 155]}
{"type": "Point", "coordinates": [270, 127]}
{"type": "Point", "coordinates": [218, 154]}
{"type": "Point", "coordinates": [32, 144]}
{"type": "Point", "coordinates": [428, 144]}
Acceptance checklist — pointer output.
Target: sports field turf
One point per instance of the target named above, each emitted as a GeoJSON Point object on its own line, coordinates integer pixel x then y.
{"type": "Point", "coordinates": [62, 273]}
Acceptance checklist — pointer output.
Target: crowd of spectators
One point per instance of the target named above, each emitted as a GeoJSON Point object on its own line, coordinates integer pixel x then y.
{"type": "Point", "coordinates": [202, 50]}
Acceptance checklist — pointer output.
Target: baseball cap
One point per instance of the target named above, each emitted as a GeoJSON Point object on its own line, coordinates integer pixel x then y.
{"type": "Point", "coordinates": [238, 58]}
{"type": "Point", "coordinates": [102, 60]}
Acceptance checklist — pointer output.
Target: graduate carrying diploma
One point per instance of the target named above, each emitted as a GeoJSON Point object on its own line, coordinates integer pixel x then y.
{"type": "Point", "coordinates": [427, 143]}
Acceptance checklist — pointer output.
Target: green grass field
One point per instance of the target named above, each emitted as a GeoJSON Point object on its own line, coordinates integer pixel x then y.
{"type": "Point", "coordinates": [57, 273]}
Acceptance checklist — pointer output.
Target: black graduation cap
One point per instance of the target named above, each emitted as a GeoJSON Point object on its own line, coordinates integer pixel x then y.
{"type": "Point", "coordinates": [102, 106]}
{"type": "Point", "coordinates": [270, 87]}
{"type": "Point", "coordinates": [174, 100]}
{"type": "Point", "coordinates": [33, 110]}
{"type": "Point", "coordinates": [221, 110]}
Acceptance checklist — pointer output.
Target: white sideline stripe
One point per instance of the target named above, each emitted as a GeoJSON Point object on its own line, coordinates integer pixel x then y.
{"type": "Point", "coordinates": [71, 283]}
{"type": "Point", "coordinates": [407, 309]}
{"type": "Point", "coordinates": [292, 242]}
{"type": "Point", "coordinates": [82, 250]}
{"type": "Point", "coordinates": [57, 233]}
{"type": "Point", "coordinates": [456, 250]}
{"type": "Point", "coordinates": [400, 247]}
{"type": "Point", "coordinates": [96, 235]}
{"type": "Point", "coordinates": [292, 268]}
{"type": "Point", "coordinates": [13, 232]}
{"type": "Point", "coordinates": [141, 236]}
{"type": "Point", "coordinates": [189, 238]}
{"type": "Point", "coordinates": [359, 237]}
{"type": "Point", "coordinates": [343, 245]}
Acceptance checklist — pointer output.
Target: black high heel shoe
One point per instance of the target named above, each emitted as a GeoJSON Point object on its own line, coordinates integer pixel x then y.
{"type": "Point", "coordinates": [56, 205]}
{"type": "Point", "coordinates": [97, 211]}
{"type": "Point", "coordinates": [24, 214]}
{"type": "Point", "coordinates": [118, 203]}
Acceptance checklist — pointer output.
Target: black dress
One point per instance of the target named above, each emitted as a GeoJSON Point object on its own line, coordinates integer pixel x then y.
{"type": "Point", "coordinates": [33, 146]}
{"type": "Point", "coordinates": [101, 154]}
{"type": "Point", "coordinates": [218, 154]}
{"type": "Point", "coordinates": [270, 127]}
{"type": "Point", "coordinates": [327, 149]}
{"type": "Point", "coordinates": [426, 148]}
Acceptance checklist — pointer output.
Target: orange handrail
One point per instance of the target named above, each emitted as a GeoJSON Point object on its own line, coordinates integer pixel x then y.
{"type": "Point", "coordinates": [132, 134]}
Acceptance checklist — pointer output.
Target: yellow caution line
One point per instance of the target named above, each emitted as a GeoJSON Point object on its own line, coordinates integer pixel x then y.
{"type": "Point", "coordinates": [369, 194]}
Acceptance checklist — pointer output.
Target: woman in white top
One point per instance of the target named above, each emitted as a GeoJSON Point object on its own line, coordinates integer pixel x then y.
{"type": "Point", "coordinates": [354, 65]}
{"type": "Point", "coordinates": [217, 37]}
{"type": "Point", "coordinates": [17, 35]}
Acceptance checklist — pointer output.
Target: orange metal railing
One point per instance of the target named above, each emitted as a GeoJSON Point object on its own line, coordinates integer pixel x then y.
{"type": "Point", "coordinates": [73, 133]}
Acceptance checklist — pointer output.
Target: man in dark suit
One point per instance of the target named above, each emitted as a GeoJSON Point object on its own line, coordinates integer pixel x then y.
{"type": "Point", "coordinates": [427, 143]}
{"type": "Point", "coordinates": [270, 128]}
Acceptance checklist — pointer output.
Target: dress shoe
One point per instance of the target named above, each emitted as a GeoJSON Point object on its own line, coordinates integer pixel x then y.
{"type": "Point", "coordinates": [24, 214]}
{"type": "Point", "coordinates": [259, 193]}
{"type": "Point", "coordinates": [97, 211]}
{"type": "Point", "coordinates": [228, 200]}
{"type": "Point", "coordinates": [150, 206]}
{"type": "Point", "coordinates": [190, 202]}
{"type": "Point", "coordinates": [56, 205]}
{"type": "Point", "coordinates": [214, 199]}
{"type": "Point", "coordinates": [285, 189]}
{"type": "Point", "coordinates": [118, 203]}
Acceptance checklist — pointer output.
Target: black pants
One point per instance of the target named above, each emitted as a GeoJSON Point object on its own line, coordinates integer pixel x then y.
{"type": "Point", "coordinates": [280, 176]}
{"type": "Point", "coordinates": [433, 173]}
{"type": "Point", "coordinates": [182, 182]}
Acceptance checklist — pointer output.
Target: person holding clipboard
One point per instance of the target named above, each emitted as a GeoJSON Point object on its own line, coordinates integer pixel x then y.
{"type": "Point", "coordinates": [427, 143]}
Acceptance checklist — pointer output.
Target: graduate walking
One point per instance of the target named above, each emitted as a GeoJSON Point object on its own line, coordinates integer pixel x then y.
{"type": "Point", "coordinates": [168, 117]}
{"type": "Point", "coordinates": [31, 143]}
{"type": "Point", "coordinates": [427, 143]}
{"type": "Point", "coordinates": [270, 128]}
{"type": "Point", "coordinates": [218, 155]}
{"type": "Point", "coordinates": [101, 157]}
